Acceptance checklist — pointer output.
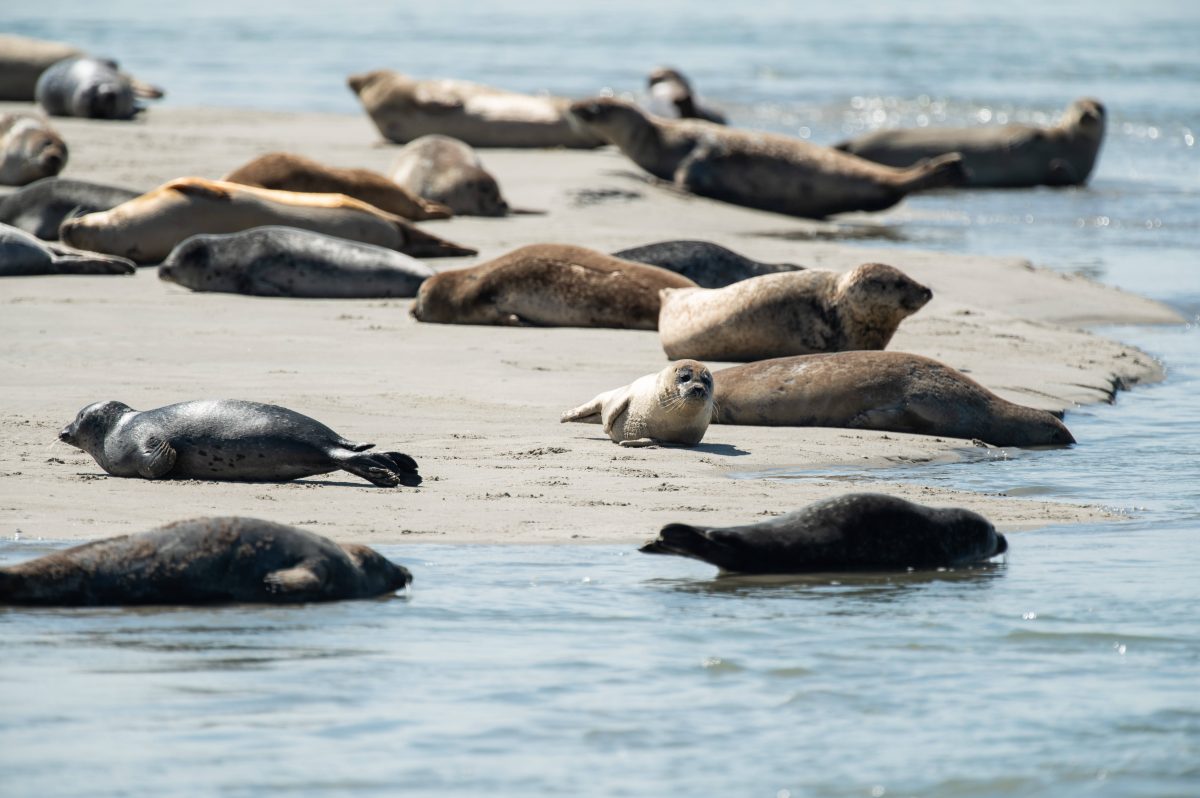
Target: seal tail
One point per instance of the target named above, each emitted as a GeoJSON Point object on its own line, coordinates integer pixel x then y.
{"type": "Point", "coordinates": [92, 264]}
{"type": "Point", "coordinates": [586, 413]}
{"type": "Point", "coordinates": [385, 469]}
{"type": "Point", "coordinates": [684, 540]}
{"type": "Point", "coordinates": [941, 172]}
{"type": "Point", "coordinates": [420, 244]}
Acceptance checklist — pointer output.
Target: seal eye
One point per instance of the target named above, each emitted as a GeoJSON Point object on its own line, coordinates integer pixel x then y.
{"type": "Point", "coordinates": [684, 376]}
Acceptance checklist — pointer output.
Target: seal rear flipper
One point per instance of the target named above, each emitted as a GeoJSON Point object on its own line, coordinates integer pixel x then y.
{"type": "Point", "coordinates": [294, 581]}
{"type": "Point", "coordinates": [81, 264]}
{"type": "Point", "coordinates": [588, 413]}
{"type": "Point", "coordinates": [420, 244]}
{"type": "Point", "coordinates": [156, 458]}
{"type": "Point", "coordinates": [387, 470]}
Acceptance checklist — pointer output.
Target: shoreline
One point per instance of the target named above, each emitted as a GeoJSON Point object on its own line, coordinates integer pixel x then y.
{"type": "Point", "coordinates": [478, 406]}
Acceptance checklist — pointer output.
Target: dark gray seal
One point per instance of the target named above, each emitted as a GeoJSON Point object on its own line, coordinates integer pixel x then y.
{"type": "Point", "coordinates": [286, 261]}
{"type": "Point", "coordinates": [854, 532]}
{"type": "Point", "coordinates": [671, 96]}
{"type": "Point", "coordinates": [22, 255]}
{"type": "Point", "coordinates": [39, 208]}
{"type": "Point", "coordinates": [87, 87]}
{"type": "Point", "coordinates": [226, 439]}
{"type": "Point", "coordinates": [204, 561]}
{"type": "Point", "coordinates": [706, 264]}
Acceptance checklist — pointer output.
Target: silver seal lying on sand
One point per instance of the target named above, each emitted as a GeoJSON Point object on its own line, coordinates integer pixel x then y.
{"type": "Point", "coordinates": [550, 285]}
{"type": "Point", "coordinates": [854, 532]}
{"type": "Point", "coordinates": [23, 60]}
{"type": "Point", "coordinates": [29, 150]}
{"type": "Point", "coordinates": [226, 439]}
{"type": "Point", "coordinates": [706, 264]}
{"type": "Point", "coordinates": [671, 96]}
{"type": "Point", "coordinates": [40, 208]}
{"type": "Point", "coordinates": [23, 255]}
{"type": "Point", "coordinates": [204, 561]}
{"type": "Point", "coordinates": [286, 261]}
{"type": "Point", "coordinates": [758, 170]}
{"type": "Point", "coordinates": [672, 406]}
{"type": "Point", "coordinates": [405, 108]}
{"type": "Point", "coordinates": [796, 313]}
{"type": "Point", "coordinates": [448, 171]}
{"type": "Point", "coordinates": [889, 391]}
{"type": "Point", "coordinates": [1008, 156]}
{"type": "Point", "coordinates": [146, 228]}
{"type": "Point", "coordinates": [87, 87]}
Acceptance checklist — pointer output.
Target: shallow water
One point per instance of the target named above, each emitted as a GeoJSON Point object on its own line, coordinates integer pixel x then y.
{"type": "Point", "coordinates": [1069, 669]}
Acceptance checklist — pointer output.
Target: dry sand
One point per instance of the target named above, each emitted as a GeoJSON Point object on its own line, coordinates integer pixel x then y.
{"type": "Point", "coordinates": [478, 407]}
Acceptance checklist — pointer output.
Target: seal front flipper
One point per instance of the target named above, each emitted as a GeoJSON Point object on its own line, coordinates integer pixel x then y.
{"type": "Point", "coordinates": [293, 581]}
{"type": "Point", "coordinates": [638, 443]}
{"type": "Point", "coordinates": [155, 458]}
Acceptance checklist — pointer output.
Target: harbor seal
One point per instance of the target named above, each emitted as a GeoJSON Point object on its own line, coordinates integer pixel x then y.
{"type": "Point", "coordinates": [1008, 156]}
{"type": "Point", "coordinates": [758, 170]}
{"type": "Point", "coordinates": [21, 254]}
{"type": "Point", "coordinates": [550, 285]}
{"type": "Point", "coordinates": [671, 96]}
{"type": "Point", "coordinates": [794, 313]}
{"type": "Point", "coordinates": [405, 108]}
{"type": "Point", "coordinates": [146, 228]}
{"type": "Point", "coordinates": [853, 532]}
{"type": "Point", "coordinates": [29, 150]}
{"type": "Point", "coordinates": [673, 406]}
{"type": "Point", "coordinates": [889, 391]}
{"type": "Point", "coordinates": [86, 87]}
{"type": "Point", "coordinates": [448, 171]}
{"type": "Point", "coordinates": [204, 561]}
{"type": "Point", "coordinates": [706, 264]}
{"type": "Point", "coordinates": [40, 207]}
{"type": "Point", "coordinates": [226, 439]}
{"type": "Point", "coordinates": [286, 172]}
{"type": "Point", "coordinates": [23, 60]}
{"type": "Point", "coordinates": [286, 261]}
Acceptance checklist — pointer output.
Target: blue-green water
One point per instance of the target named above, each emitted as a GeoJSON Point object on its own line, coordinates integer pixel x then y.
{"type": "Point", "coordinates": [1071, 668]}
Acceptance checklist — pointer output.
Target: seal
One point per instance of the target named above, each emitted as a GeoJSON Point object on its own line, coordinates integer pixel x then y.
{"type": "Point", "coordinates": [794, 313]}
{"type": "Point", "coordinates": [673, 406]}
{"type": "Point", "coordinates": [706, 264]}
{"type": "Point", "coordinates": [1008, 156]}
{"type": "Point", "coordinates": [287, 172]}
{"type": "Point", "coordinates": [22, 255]}
{"type": "Point", "coordinates": [86, 87]}
{"type": "Point", "coordinates": [758, 170]}
{"type": "Point", "coordinates": [226, 439]}
{"type": "Point", "coordinates": [671, 96]}
{"type": "Point", "coordinates": [853, 532]}
{"type": "Point", "coordinates": [29, 150]}
{"type": "Point", "coordinates": [448, 171]}
{"type": "Point", "coordinates": [146, 228]}
{"type": "Point", "coordinates": [286, 261]}
{"type": "Point", "coordinates": [23, 60]}
{"type": "Point", "coordinates": [204, 561]}
{"type": "Point", "coordinates": [888, 391]}
{"type": "Point", "coordinates": [405, 108]}
{"type": "Point", "coordinates": [40, 207]}
{"type": "Point", "coordinates": [549, 285]}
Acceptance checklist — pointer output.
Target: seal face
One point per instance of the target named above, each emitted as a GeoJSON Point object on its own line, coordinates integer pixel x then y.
{"type": "Point", "coordinates": [794, 313]}
{"type": "Point", "coordinates": [226, 439]}
{"type": "Point", "coordinates": [29, 150]}
{"type": "Point", "coordinates": [552, 285]}
{"type": "Point", "coordinates": [22, 255]}
{"type": "Point", "coordinates": [673, 406]}
{"type": "Point", "coordinates": [706, 264]}
{"type": "Point", "coordinates": [888, 391]}
{"type": "Point", "coordinates": [448, 171]}
{"type": "Point", "coordinates": [1008, 156]}
{"type": "Point", "coordinates": [671, 96]}
{"type": "Point", "coordinates": [86, 87]}
{"type": "Point", "coordinates": [285, 261]}
{"type": "Point", "coordinates": [854, 532]}
{"type": "Point", "coordinates": [204, 561]}
{"type": "Point", "coordinates": [758, 170]}
{"type": "Point", "coordinates": [40, 208]}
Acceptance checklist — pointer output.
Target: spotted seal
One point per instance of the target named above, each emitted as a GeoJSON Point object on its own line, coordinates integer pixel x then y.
{"type": "Point", "coordinates": [706, 264]}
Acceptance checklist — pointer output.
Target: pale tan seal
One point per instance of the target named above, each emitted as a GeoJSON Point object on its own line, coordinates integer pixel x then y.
{"type": "Point", "coordinates": [405, 108]}
{"type": "Point", "coordinates": [671, 96]}
{"type": "Point", "coordinates": [1007, 156]}
{"type": "Point", "coordinates": [551, 285]}
{"type": "Point", "coordinates": [673, 406]}
{"type": "Point", "coordinates": [890, 391]}
{"type": "Point", "coordinates": [284, 171]}
{"type": "Point", "coordinates": [792, 313]}
{"type": "Point", "coordinates": [758, 170]}
{"type": "Point", "coordinates": [23, 60]}
{"type": "Point", "coordinates": [448, 171]}
{"type": "Point", "coordinates": [29, 150]}
{"type": "Point", "coordinates": [146, 228]}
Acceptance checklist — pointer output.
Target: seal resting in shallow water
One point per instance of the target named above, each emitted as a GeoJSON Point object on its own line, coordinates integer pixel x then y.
{"type": "Point", "coordinates": [226, 439]}
{"type": "Point", "coordinates": [29, 150]}
{"type": "Point", "coordinates": [706, 264]}
{"type": "Point", "coordinates": [204, 561]}
{"type": "Point", "coordinates": [854, 532]}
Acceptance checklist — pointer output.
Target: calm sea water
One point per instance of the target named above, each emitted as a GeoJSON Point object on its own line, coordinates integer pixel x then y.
{"type": "Point", "coordinates": [1068, 669]}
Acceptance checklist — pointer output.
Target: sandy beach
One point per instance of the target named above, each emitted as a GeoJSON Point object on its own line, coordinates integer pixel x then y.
{"type": "Point", "coordinates": [478, 407]}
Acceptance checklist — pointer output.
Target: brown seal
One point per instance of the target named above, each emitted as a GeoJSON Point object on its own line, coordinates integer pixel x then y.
{"type": "Point", "coordinates": [759, 170]}
{"type": "Point", "coordinates": [792, 313]}
{"type": "Point", "coordinates": [890, 391]}
{"type": "Point", "coordinates": [551, 285]}
{"type": "Point", "coordinates": [448, 171]}
{"type": "Point", "coordinates": [29, 150]}
{"type": "Point", "coordinates": [672, 406]}
{"type": "Point", "coordinates": [405, 108]}
{"type": "Point", "coordinates": [287, 172]}
{"type": "Point", "coordinates": [203, 561]}
{"type": "Point", "coordinates": [146, 228]}
{"type": "Point", "coordinates": [1008, 156]}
